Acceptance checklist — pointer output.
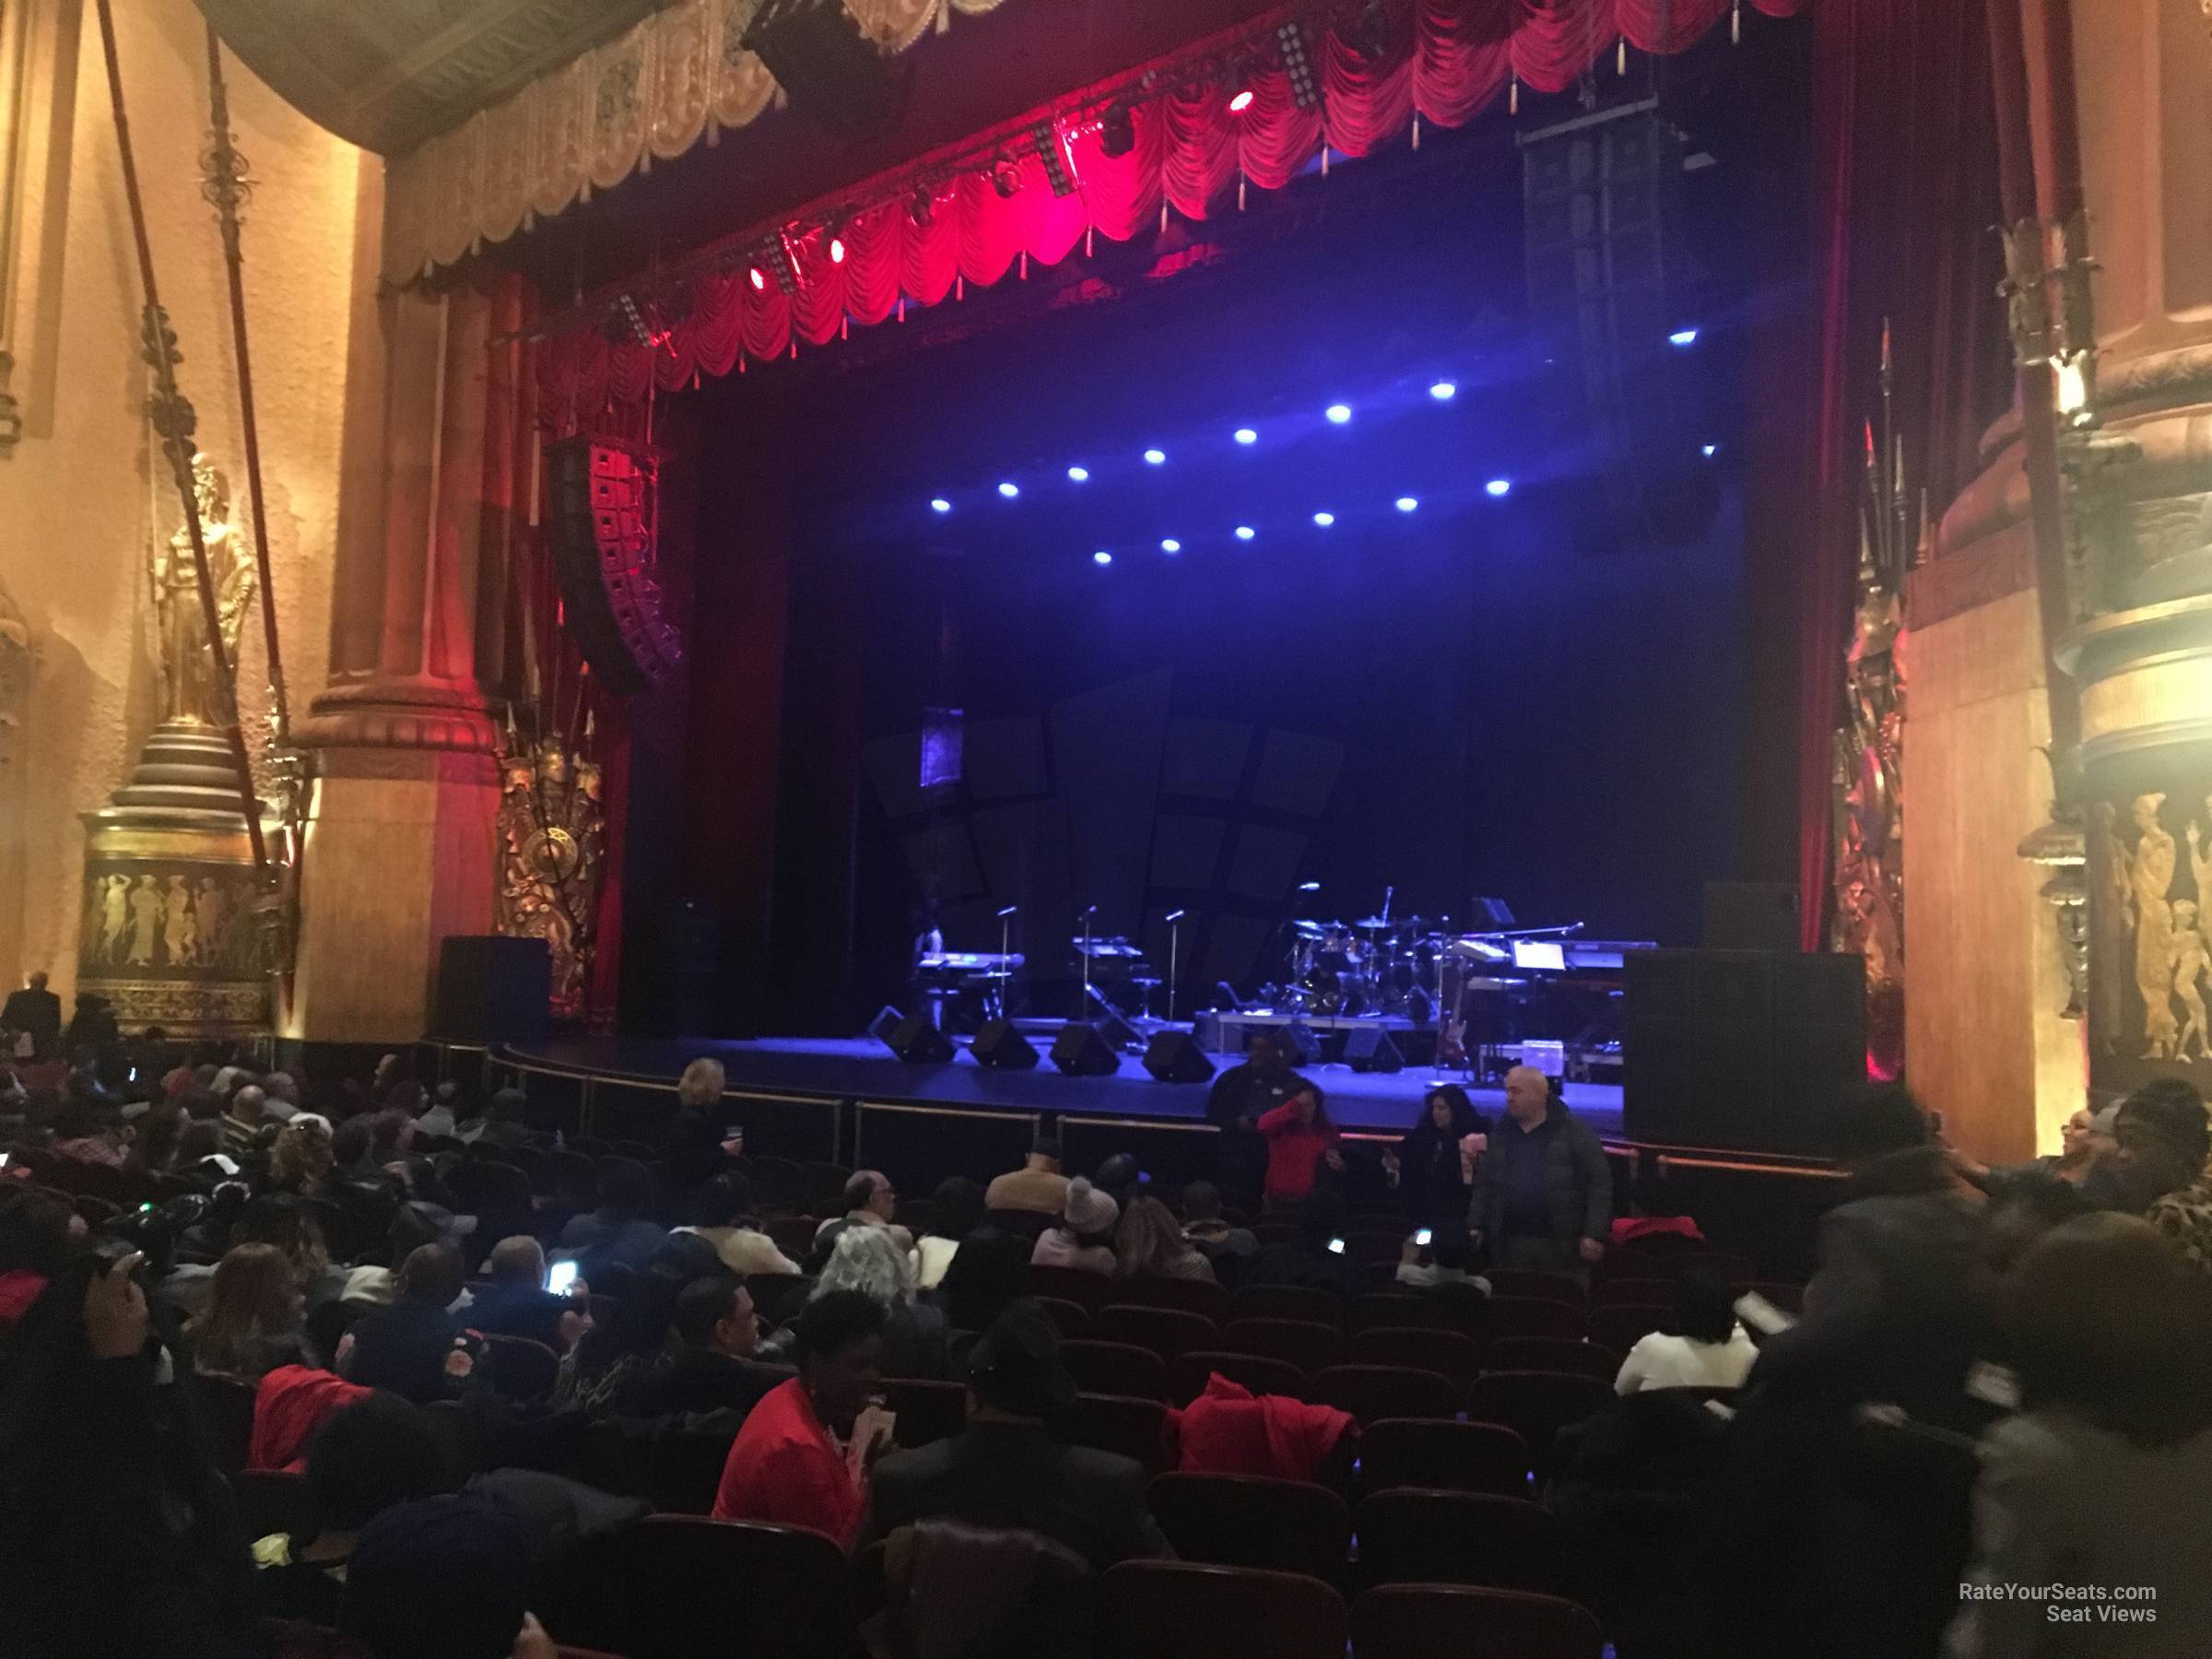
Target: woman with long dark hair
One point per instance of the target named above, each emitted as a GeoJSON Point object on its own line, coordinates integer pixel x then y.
{"type": "Point", "coordinates": [1434, 1165]}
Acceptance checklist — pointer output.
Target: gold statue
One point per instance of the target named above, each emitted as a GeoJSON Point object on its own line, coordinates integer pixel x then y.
{"type": "Point", "coordinates": [550, 831]}
{"type": "Point", "coordinates": [2149, 871]}
{"type": "Point", "coordinates": [188, 685]}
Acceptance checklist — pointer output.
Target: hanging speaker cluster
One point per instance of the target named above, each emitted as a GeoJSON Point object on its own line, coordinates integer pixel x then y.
{"type": "Point", "coordinates": [604, 545]}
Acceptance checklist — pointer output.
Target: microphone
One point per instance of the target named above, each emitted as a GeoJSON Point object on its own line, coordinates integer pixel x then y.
{"type": "Point", "coordinates": [1172, 916]}
{"type": "Point", "coordinates": [1008, 911]}
{"type": "Point", "coordinates": [1092, 911]}
{"type": "Point", "coordinates": [1309, 887]}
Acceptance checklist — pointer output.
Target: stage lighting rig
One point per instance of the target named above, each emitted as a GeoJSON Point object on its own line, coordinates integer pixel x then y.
{"type": "Point", "coordinates": [1297, 65]}
{"type": "Point", "coordinates": [920, 206]}
{"type": "Point", "coordinates": [1058, 173]}
{"type": "Point", "coordinates": [1117, 132]}
{"type": "Point", "coordinates": [778, 260]}
{"type": "Point", "coordinates": [1005, 178]}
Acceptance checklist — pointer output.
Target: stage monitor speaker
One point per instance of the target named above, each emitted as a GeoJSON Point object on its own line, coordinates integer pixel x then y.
{"type": "Point", "coordinates": [1751, 915]}
{"type": "Point", "coordinates": [1002, 1048]}
{"type": "Point", "coordinates": [603, 537]}
{"type": "Point", "coordinates": [1740, 1051]}
{"type": "Point", "coordinates": [493, 988]}
{"type": "Point", "coordinates": [1081, 1052]}
{"type": "Point", "coordinates": [1175, 1057]}
{"type": "Point", "coordinates": [1369, 1049]}
{"type": "Point", "coordinates": [1299, 1040]}
{"type": "Point", "coordinates": [817, 52]}
{"type": "Point", "coordinates": [918, 1043]}
{"type": "Point", "coordinates": [885, 1021]}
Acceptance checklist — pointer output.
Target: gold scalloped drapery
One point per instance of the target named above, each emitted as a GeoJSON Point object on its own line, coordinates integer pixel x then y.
{"type": "Point", "coordinates": [678, 76]}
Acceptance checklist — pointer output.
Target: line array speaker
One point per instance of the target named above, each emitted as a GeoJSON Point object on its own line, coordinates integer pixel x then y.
{"type": "Point", "coordinates": [603, 541]}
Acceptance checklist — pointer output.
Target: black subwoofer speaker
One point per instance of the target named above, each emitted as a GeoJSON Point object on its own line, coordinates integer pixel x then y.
{"type": "Point", "coordinates": [1002, 1048]}
{"type": "Point", "coordinates": [1081, 1052]}
{"type": "Point", "coordinates": [1175, 1057]}
{"type": "Point", "coordinates": [918, 1043]}
{"type": "Point", "coordinates": [1369, 1049]}
{"type": "Point", "coordinates": [493, 989]}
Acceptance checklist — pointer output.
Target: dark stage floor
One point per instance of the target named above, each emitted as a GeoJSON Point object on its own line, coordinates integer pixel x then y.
{"type": "Point", "coordinates": [838, 1069]}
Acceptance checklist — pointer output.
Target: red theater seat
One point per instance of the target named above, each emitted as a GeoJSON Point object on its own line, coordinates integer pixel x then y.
{"type": "Point", "coordinates": [1182, 1610]}
{"type": "Point", "coordinates": [1424, 1536]}
{"type": "Point", "coordinates": [1249, 1521]}
{"type": "Point", "coordinates": [1422, 1621]}
{"type": "Point", "coordinates": [1430, 1452]}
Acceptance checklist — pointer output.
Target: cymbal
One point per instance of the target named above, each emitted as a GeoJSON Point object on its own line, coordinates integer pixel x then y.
{"type": "Point", "coordinates": [1385, 921]}
{"type": "Point", "coordinates": [1310, 930]}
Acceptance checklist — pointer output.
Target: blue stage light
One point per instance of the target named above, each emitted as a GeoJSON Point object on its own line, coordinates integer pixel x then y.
{"type": "Point", "coordinates": [1443, 390]}
{"type": "Point", "coordinates": [1081, 475]}
{"type": "Point", "coordinates": [1009, 490]}
{"type": "Point", "coordinates": [1246, 435]}
{"type": "Point", "coordinates": [1324, 519]}
{"type": "Point", "coordinates": [1710, 450]}
{"type": "Point", "coordinates": [1683, 336]}
{"type": "Point", "coordinates": [1338, 412]}
{"type": "Point", "coordinates": [1156, 455]}
{"type": "Point", "coordinates": [1171, 545]}
{"type": "Point", "coordinates": [940, 504]}
{"type": "Point", "coordinates": [1101, 558]}
{"type": "Point", "coordinates": [1245, 533]}
{"type": "Point", "coordinates": [1497, 486]}
{"type": "Point", "coordinates": [1406, 503]}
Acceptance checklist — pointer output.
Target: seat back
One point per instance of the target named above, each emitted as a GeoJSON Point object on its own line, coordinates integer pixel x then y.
{"type": "Point", "coordinates": [1250, 1520]}
{"type": "Point", "coordinates": [1116, 1367]}
{"type": "Point", "coordinates": [1427, 1536]}
{"type": "Point", "coordinates": [793, 1235]}
{"type": "Point", "coordinates": [1613, 1292]}
{"type": "Point", "coordinates": [1187, 1376]}
{"type": "Point", "coordinates": [1430, 1452]}
{"type": "Point", "coordinates": [1420, 1621]}
{"type": "Point", "coordinates": [1297, 1342]}
{"type": "Point", "coordinates": [1455, 1356]}
{"type": "Point", "coordinates": [982, 1593]}
{"type": "Point", "coordinates": [1371, 1392]}
{"type": "Point", "coordinates": [1552, 1354]}
{"type": "Point", "coordinates": [226, 1413]}
{"type": "Point", "coordinates": [1070, 1319]}
{"type": "Point", "coordinates": [273, 1500]}
{"type": "Point", "coordinates": [1537, 1405]}
{"type": "Point", "coordinates": [520, 1368]}
{"type": "Point", "coordinates": [927, 1410]}
{"type": "Point", "coordinates": [1544, 1286]}
{"type": "Point", "coordinates": [1287, 1301]}
{"type": "Point", "coordinates": [1202, 1297]}
{"type": "Point", "coordinates": [1535, 1316]}
{"type": "Point", "coordinates": [1086, 1290]}
{"type": "Point", "coordinates": [705, 1589]}
{"type": "Point", "coordinates": [1167, 1332]}
{"type": "Point", "coordinates": [1118, 1423]}
{"type": "Point", "coordinates": [1395, 1308]}
{"type": "Point", "coordinates": [1184, 1610]}
{"type": "Point", "coordinates": [1622, 1325]}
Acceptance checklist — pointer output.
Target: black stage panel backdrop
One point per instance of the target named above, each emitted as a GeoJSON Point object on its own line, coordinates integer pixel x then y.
{"type": "Point", "coordinates": [1479, 694]}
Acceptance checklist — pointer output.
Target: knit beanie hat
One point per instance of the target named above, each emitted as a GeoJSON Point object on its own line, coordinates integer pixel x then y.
{"type": "Point", "coordinates": [1088, 1210]}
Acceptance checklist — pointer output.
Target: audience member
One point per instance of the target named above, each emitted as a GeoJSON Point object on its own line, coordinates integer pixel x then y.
{"type": "Point", "coordinates": [440, 1118]}
{"type": "Point", "coordinates": [242, 1120]}
{"type": "Point", "coordinates": [618, 1232]}
{"type": "Point", "coordinates": [1434, 1165]}
{"type": "Point", "coordinates": [865, 1260]}
{"type": "Point", "coordinates": [416, 1347]}
{"type": "Point", "coordinates": [1543, 1193]}
{"type": "Point", "coordinates": [2076, 1155]}
{"type": "Point", "coordinates": [32, 1014]}
{"type": "Point", "coordinates": [1301, 1141]}
{"type": "Point", "coordinates": [2164, 1145]}
{"type": "Point", "coordinates": [1209, 1233]}
{"type": "Point", "coordinates": [722, 1213]}
{"type": "Point", "coordinates": [955, 1209]}
{"type": "Point", "coordinates": [442, 1577]}
{"type": "Point", "coordinates": [788, 1464]}
{"type": "Point", "coordinates": [1238, 1098]}
{"type": "Point", "coordinates": [1084, 1237]}
{"type": "Point", "coordinates": [1706, 1348]}
{"type": "Point", "coordinates": [989, 1270]}
{"type": "Point", "coordinates": [1442, 1262]}
{"type": "Point", "coordinates": [518, 1304]}
{"type": "Point", "coordinates": [2100, 1479]}
{"type": "Point", "coordinates": [700, 1087]}
{"type": "Point", "coordinates": [869, 1200]}
{"type": "Point", "coordinates": [1306, 1258]}
{"type": "Point", "coordinates": [37, 1232]}
{"type": "Point", "coordinates": [615, 1360]}
{"type": "Point", "coordinates": [251, 1323]}
{"type": "Point", "coordinates": [84, 1128]}
{"type": "Point", "coordinates": [502, 1125]}
{"type": "Point", "coordinates": [301, 1158]}
{"type": "Point", "coordinates": [1149, 1243]}
{"type": "Point", "coordinates": [1005, 1470]}
{"type": "Point", "coordinates": [1038, 1186]}
{"type": "Point", "coordinates": [155, 1143]}
{"type": "Point", "coordinates": [715, 1370]}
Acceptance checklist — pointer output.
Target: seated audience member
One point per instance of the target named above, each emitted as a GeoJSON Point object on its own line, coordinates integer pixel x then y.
{"type": "Point", "coordinates": [1228, 1429]}
{"type": "Point", "coordinates": [154, 1144]}
{"type": "Point", "coordinates": [291, 1403]}
{"type": "Point", "coordinates": [416, 1347]}
{"type": "Point", "coordinates": [1211, 1236]}
{"type": "Point", "coordinates": [1084, 1237]}
{"type": "Point", "coordinates": [1305, 1258]}
{"type": "Point", "coordinates": [1301, 1144]}
{"type": "Point", "coordinates": [788, 1464]}
{"type": "Point", "coordinates": [502, 1125]}
{"type": "Point", "coordinates": [442, 1577]}
{"type": "Point", "coordinates": [1707, 1347]}
{"type": "Point", "coordinates": [617, 1359]}
{"type": "Point", "coordinates": [913, 1334]}
{"type": "Point", "coordinates": [956, 1210]}
{"type": "Point", "coordinates": [518, 1304]}
{"type": "Point", "coordinates": [1119, 1176]}
{"type": "Point", "coordinates": [1038, 1186]}
{"type": "Point", "coordinates": [251, 1323]}
{"type": "Point", "coordinates": [352, 1151]}
{"type": "Point", "coordinates": [715, 1370]}
{"type": "Point", "coordinates": [441, 1119]}
{"type": "Point", "coordinates": [362, 1459]}
{"type": "Point", "coordinates": [85, 1130]}
{"type": "Point", "coordinates": [870, 1200]}
{"type": "Point", "coordinates": [2163, 1143]}
{"type": "Point", "coordinates": [722, 1213]}
{"type": "Point", "coordinates": [243, 1121]}
{"type": "Point", "coordinates": [1447, 1255]}
{"type": "Point", "coordinates": [1149, 1243]}
{"type": "Point", "coordinates": [2100, 1479]}
{"type": "Point", "coordinates": [2076, 1154]}
{"type": "Point", "coordinates": [991, 1269]}
{"type": "Point", "coordinates": [617, 1233]}
{"type": "Point", "coordinates": [1005, 1470]}
{"type": "Point", "coordinates": [300, 1160]}
{"type": "Point", "coordinates": [37, 1235]}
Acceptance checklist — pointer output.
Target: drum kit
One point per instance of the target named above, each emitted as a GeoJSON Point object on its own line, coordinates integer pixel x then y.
{"type": "Point", "coordinates": [1379, 964]}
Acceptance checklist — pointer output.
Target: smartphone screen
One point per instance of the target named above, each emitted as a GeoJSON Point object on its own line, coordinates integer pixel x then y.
{"type": "Point", "coordinates": [559, 1276]}
{"type": "Point", "coordinates": [1337, 1246]}
{"type": "Point", "coordinates": [1421, 1238]}
{"type": "Point", "coordinates": [4, 1157]}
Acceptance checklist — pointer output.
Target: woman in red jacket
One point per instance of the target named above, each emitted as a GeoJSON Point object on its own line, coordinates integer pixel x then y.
{"type": "Point", "coordinates": [1301, 1139]}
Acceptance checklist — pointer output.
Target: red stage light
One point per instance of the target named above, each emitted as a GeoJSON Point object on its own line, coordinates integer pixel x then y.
{"type": "Point", "coordinates": [759, 279]}
{"type": "Point", "coordinates": [837, 249]}
{"type": "Point", "coordinates": [1240, 102]}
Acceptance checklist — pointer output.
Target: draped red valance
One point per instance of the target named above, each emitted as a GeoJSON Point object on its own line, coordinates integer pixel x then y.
{"type": "Point", "coordinates": [1453, 57]}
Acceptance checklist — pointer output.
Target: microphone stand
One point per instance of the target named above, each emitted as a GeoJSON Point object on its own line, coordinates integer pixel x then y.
{"type": "Point", "coordinates": [1174, 942]}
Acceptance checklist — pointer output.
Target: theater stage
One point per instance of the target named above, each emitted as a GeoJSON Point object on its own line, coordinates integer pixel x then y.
{"type": "Point", "coordinates": [833, 1070]}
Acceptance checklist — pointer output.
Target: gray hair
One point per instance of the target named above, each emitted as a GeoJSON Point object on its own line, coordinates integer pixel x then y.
{"type": "Point", "coordinates": [866, 1259]}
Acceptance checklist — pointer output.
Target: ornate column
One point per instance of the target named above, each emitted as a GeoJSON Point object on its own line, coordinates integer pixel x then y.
{"type": "Point", "coordinates": [400, 842]}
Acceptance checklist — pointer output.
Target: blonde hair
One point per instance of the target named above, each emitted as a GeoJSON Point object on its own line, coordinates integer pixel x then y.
{"type": "Point", "coordinates": [1148, 1238]}
{"type": "Point", "coordinates": [701, 1084]}
{"type": "Point", "coordinates": [301, 1156]}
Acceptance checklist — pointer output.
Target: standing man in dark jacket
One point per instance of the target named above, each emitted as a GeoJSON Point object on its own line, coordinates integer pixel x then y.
{"type": "Point", "coordinates": [1240, 1098]}
{"type": "Point", "coordinates": [36, 1013]}
{"type": "Point", "coordinates": [1543, 1191]}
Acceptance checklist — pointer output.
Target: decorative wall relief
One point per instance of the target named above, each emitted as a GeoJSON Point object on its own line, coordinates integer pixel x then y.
{"type": "Point", "coordinates": [2150, 858]}
{"type": "Point", "coordinates": [551, 827]}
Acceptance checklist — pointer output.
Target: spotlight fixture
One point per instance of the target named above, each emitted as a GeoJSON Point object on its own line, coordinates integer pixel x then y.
{"type": "Point", "coordinates": [1443, 390]}
{"type": "Point", "coordinates": [759, 279]}
{"type": "Point", "coordinates": [940, 504]}
{"type": "Point", "coordinates": [1171, 545]}
{"type": "Point", "coordinates": [1117, 132]}
{"type": "Point", "coordinates": [1246, 435]}
{"type": "Point", "coordinates": [1009, 490]}
{"type": "Point", "coordinates": [1239, 101]}
{"type": "Point", "coordinates": [1005, 178]}
{"type": "Point", "coordinates": [1101, 558]}
{"type": "Point", "coordinates": [1155, 456]}
{"type": "Point", "coordinates": [1408, 503]}
{"type": "Point", "coordinates": [837, 249]}
{"type": "Point", "coordinates": [1057, 173]}
{"type": "Point", "coordinates": [920, 206]}
{"type": "Point", "coordinates": [1683, 336]}
{"type": "Point", "coordinates": [1245, 533]}
{"type": "Point", "coordinates": [1497, 486]}
{"type": "Point", "coordinates": [1338, 412]}
{"type": "Point", "coordinates": [1324, 519]}
{"type": "Point", "coordinates": [1078, 474]}
{"type": "Point", "coordinates": [1297, 65]}
{"type": "Point", "coordinates": [1710, 450]}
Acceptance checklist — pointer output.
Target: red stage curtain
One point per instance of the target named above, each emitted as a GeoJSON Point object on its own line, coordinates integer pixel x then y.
{"type": "Point", "coordinates": [1445, 59]}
